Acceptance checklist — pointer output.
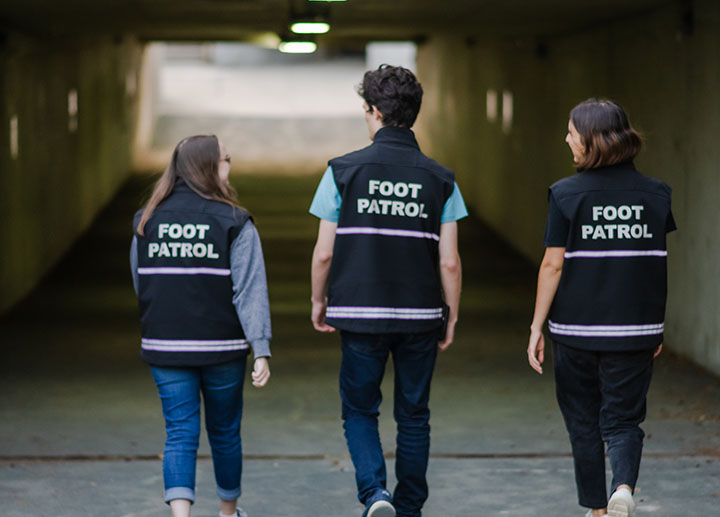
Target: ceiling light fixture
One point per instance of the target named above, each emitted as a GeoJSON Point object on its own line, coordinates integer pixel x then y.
{"type": "Point", "coordinates": [310, 27]}
{"type": "Point", "coordinates": [297, 47]}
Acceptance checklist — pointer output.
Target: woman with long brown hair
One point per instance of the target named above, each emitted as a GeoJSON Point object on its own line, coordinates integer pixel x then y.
{"type": "Point", "coordinates": [199, 274]}
{"type": "Point", "coordinates": [603, 285]}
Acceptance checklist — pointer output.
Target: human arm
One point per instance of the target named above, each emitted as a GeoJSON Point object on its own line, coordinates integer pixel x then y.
{"type": "Point", "coordinates": [450, 278]}
{"type": "Point", "coordinates": [134, 262]}
{"type": "Point", "coordinates": [250, 298]}
{"type": "Point", "coordinates": [548, 280]}
{"type": "Point", "coordinates": [321, 260]}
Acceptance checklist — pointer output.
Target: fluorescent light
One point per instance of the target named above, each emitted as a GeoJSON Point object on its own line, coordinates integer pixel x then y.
{"type": "Point", "coordinates": [310, 28]}
{"type": "Point", "coordinates": [297, 47]}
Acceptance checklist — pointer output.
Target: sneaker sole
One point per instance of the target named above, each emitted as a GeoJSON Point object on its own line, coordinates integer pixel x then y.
{"type": "Point", "coordinates": [619, 509]}
{"type": "Point", "coordinates": [381, 509]}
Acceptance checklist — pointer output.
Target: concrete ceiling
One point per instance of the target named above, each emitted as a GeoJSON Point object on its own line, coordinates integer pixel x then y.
{"type": "Point", "coordinates": [351, 20]}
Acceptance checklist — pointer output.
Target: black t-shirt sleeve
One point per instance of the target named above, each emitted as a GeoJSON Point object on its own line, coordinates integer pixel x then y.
{"type": "Point", "coordinates": [670, 223]}
{"type": "Point", "coordinates": [557, 226]}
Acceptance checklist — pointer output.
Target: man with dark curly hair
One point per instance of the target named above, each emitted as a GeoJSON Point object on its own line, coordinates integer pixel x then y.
{"type": "Point", "coordinates": [386, 253]}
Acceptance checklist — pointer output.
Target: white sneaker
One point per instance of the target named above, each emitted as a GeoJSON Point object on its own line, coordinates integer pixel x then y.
{"type": "Point", "coordinates": [621, 503]}
{"type": "Point", "coordinates": [589, 513]}
{"type": "Point", "coordinates": [240, 512]}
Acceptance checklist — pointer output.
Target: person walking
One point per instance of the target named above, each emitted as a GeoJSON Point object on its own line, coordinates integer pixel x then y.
{"type": "Point", "coordinates": [199, 274]}
{"type": "Point", "coordinates": [602, 282]}
{"type": "Point", "coordinates": [386, 252]}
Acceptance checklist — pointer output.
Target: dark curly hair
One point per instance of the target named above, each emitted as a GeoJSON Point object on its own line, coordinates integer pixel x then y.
{"type": "Point", "coordinates": [606, 133]}
{"type": "Point", "coordinates": [395, 92]}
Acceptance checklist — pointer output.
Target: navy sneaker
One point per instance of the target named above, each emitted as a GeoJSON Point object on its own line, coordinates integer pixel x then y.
{"type": "Point", "coordinates": [379, 505]}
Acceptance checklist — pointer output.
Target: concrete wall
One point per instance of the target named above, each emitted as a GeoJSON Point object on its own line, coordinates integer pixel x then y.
{"type": "Point", "coordinates": [661, 66]}
{"type": "Point", "coordinates": [70, 151]}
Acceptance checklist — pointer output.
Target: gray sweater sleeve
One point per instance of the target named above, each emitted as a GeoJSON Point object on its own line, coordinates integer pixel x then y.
{"type": "Point", "coordinates": [134, 262]}
{"type": "Point", "coordinates": [250, 294]}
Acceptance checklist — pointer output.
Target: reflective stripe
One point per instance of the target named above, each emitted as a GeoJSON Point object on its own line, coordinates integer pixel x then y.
{"type": "Point", "coordinates": [606, 330]}
{"type": "Point", "coordinates": [395, 313]}
{"type": "Point", "coordinates": [183, 271]}
{"type": "Point", "coordinates": [616, 253]}
{"type": "Point", "coordinates": [392, 232]}
{"type": "Point", "coordinates": [194, 345]}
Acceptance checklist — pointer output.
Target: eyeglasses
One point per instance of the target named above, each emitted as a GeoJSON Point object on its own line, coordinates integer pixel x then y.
{"type": "Point", "coordinates": [226, 158]}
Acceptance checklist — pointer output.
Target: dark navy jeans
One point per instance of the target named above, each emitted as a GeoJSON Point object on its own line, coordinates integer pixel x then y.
{"type": "Point", "coordinates": [221, 386]}
{"type": "Point", "coordinates": [602, 396]}
{"type": "Point", "coordinates": [363, 365]}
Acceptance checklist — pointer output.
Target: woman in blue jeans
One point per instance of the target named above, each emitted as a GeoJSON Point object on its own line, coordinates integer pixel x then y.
{"type": "Point", "coordinates": [602, 283]}
{"type": "Point", "coordinates": [199, 274]}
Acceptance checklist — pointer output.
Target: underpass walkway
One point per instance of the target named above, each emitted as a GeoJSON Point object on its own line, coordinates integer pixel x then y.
{"type": "Point", "coordinates": [81, 429]}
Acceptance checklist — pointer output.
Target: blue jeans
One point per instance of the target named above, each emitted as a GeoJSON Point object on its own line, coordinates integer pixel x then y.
{"type": "Point", "coordinates": [602, 396]}
{"type": "Point", "coordinates": [363, 365]}
{"type": "Point", "coordinates": [221, 386]}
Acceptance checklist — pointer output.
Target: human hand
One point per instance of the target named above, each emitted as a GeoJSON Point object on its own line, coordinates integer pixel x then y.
{"type": "Point", "coordinates": [261, 372]}
{"type": "Point", "coordinates": [657, 351]}
{"type": "Point", "coordinates": [317, 316]}
{"type": "Point", "coordinates": [449, 336]}
{"type": "Point", "coordinates": [536, 350]}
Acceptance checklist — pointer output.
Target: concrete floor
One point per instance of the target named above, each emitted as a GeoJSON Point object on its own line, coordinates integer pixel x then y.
{"type": "Point", "coordinates": [81, 429]}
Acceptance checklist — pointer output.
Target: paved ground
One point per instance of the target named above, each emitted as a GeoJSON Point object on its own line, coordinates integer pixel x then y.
{"type": "Point", "coordinates": [81, 430]}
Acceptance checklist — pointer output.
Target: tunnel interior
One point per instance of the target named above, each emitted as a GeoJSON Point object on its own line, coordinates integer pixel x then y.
{"type": "Point", "coordinates": [83, 134]}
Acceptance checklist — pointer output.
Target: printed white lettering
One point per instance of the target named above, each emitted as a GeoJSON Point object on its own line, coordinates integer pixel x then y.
{"type": "Point", "coordinates": [153, 248]}
{"type": "Point", "coordinates": [164, 250]}
{"type": "Point", "coordinates": [211, 253]}
{"type": "Point", "coordinates": [373, 186]}
{"type": "Point", "coordinates": [189, 231]}
{"type": "Point", "coordinates": [636, 231]}
{"type": "Point", "coordinates": [398, 208]}
{"type": "Point", "coordinates": [186, 250]}
{"type": "Point", "coordinates": [199, 250]}
{"type": "Point", "coordinates": [637, 209]}
{"type": "Point", "coordinates": [174, 246]}
{"type": "Point", "coordinates": [623, 231]}
{"type": "Point", "coordinates": [646, 233]}
{"type": "Point", "coordinates": [596, 210]}
{"type": "Point", "coordinates": [415, 187]}
{"type": "Point", "coordinates": [162, 229]}
{"type": "Point", "coordinates": [609, 213]}
{"type": "Point", "coordinates": [401, 189]}
{"type": "Point", "coordinates": [599, 233]}
{"type": "Point", "coordinates": [175, 231]}
{"type": "Point", "coordinates": [412, 209]}
{"type": "Point", "coordinates": [610, 229]}
{"type": "Point", "coordinates": [624, 212]}
{"type": "Point", "coordinates": [385, 204]}
{"type": "Point", "coordinates": [587, 230]}
{"type": "Point", "coordinates": [374, 207]}
{"type": "Point", "coordinates": [386, 188]}
{"type": "Point", "coordinates": [362, 205]}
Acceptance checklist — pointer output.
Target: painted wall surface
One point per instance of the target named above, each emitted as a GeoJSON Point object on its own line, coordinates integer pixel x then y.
{"type": "Point", "coordinates": [66, 124]}
{"type": "Point", "coordinates": [662, 67]}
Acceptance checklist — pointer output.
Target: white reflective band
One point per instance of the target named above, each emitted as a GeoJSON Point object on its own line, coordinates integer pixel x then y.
{"type": "Point", "coordinates": [395, 313]}
{"type": "Point", "coordinates": [194, 345]}
{"type": "Point", "coordinates": [606, 330]}
{"type": "Point", "coordinates": [392, 232]}
{"type": "Point", "coordinates": [183, 271]}
{"type": "Point", "coordinates": [616, 253]}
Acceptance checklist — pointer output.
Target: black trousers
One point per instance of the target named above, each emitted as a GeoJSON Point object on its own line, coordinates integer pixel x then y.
{"type": "Point", "coordinates": [602, 397]}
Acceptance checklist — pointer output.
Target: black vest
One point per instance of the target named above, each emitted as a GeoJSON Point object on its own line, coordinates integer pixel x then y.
{"type": "Point", "coordinates": [613, 287]}
{"type": "Point", "coordinates": [185, 288]}
{"type": "Point", "coordinates": [384, 275]}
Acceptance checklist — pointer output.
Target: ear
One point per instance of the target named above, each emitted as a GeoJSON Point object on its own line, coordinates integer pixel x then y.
{"type": "Point", "coordinates": [376, 113]}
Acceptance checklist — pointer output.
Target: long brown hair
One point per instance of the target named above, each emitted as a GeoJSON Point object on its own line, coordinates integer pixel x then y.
{"type": "Point", "coordinates": [195, 160]}
{"type": "Point", "coordinates": [606, 132]}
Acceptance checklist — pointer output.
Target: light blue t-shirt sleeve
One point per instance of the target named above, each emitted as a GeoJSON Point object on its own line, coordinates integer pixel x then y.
{"type": "Point", "coordinates": [454, 208]}
{"type": "Point", "coordinates": [326, 203]}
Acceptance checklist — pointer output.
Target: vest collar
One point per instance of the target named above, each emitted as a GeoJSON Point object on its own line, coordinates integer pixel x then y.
{"type": "Point", "coordinates": [622, 166]}
{"type": "Point", "coordinates": [396, 135]}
